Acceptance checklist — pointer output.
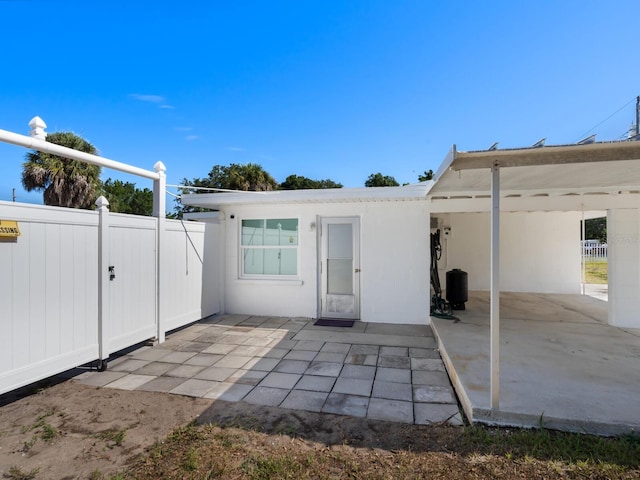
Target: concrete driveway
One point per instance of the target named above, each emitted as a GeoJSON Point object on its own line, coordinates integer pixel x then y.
{"type": "Point", "coordinates": [378, 371]}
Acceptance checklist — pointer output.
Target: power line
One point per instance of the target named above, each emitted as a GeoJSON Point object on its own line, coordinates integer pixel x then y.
{"type": "Point", "coordinates": [614, 113]}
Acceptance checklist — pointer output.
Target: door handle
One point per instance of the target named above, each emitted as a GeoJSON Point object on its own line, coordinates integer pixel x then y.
{"type": "Point", "coordinates": [357, 270]}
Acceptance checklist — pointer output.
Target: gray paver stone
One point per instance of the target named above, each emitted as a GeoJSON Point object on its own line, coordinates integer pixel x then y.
{"type": "Point", "coordinates": [178, 357]}
{"type": "Point", "coordinates": [194, 387]}
{"type": "Point", "coordinates": [333, 347]}
{"type": "Point", "coordinates": [425, 377]}
{"type": "Point", "coordinates": [129, 365]}
{"type": "Point", "coordinates": [152, 354]}
{"type": "Point", "coordinates": [266, 396]}
{"type": "Point", "coordinates": [193, 347]}
{"type": "Point", "coordinates": [203, 360]}
{"type": "Point", "coordinates": [306, 355]}
{"type": "Point", "coordinates": [305, 400]}
{"type": "Point", "coordinates": [185, 371]}
{"type": "Point", "coordinates": [346, 405]}
{"type": "Point", "coordinates": [433, 394]}
{"type": "Point", "coordinates": [325, 369]}
{"type": "Point", "coordinates": [364, 349]}
{"type": "Point", "coordinates": [391, 410]}
{"type": "Point", "coordinates": [353, 386]}
{"type": "Point", "coordinates": [161, 384]}
{"type": "Point", "coordinates": [217, 374]}
{"type": "Point", "coordinates": [280, 380]}
{"type": "Point", "coordinates": [315, 383]}
{"type": "Point", "coordinates": [291, 366]}
{"type": "Point", "coordinates": [394, 362]}
{"type": "Point", "coordinates": [130, 382]}
{"type": "Point", "coordinates": [230, 392]}
{"type": "Point", "coordinates": [312, 345]}
{"type": "Point", "coordinates": [424, 353]}
{"type": "Point", "coordinates": [233, 361]}
{"type": "Point", "coordinates": [394, 351]}
{"type": "Point", "coordinates": [358, 371]}
{"type": "Point", "coordinates": [247, 377]}
{"type": "Point", "coordinates": [100, 379]}
{"type": "Point", "coordinates": [396, 375]}
{"type": "Point", "coordinates": [262, 364]}
{"type": "Point", "coordinates": [219, 348]}
{"type": "Point", "coordinates": [435, 365]}
{"type": "Point", "coordinates": [392, 391]}
{"type": "Point", "coordinates": [155, 368]}
{"type": "Point", "coordinates": [330, 357]}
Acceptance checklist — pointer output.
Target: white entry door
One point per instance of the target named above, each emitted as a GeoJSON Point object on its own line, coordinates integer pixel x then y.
{"type": "Point", "coordinates": [340, 267]}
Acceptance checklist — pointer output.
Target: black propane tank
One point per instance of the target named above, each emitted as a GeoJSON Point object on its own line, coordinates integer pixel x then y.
{"type": "Point", "coordinates": [457, 288]}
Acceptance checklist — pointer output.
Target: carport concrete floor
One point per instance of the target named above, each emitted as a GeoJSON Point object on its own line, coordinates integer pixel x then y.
{"type": "Point", "coordinates": [378, 371]}
{"type": "Point", "coordinates": [561, 365]}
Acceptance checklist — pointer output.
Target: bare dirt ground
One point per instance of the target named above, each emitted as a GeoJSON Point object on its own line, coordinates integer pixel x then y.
{"type": "Point", "coordinates": [71, 431]}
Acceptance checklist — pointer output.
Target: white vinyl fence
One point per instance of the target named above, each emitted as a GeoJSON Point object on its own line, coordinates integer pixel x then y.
{"type": "Point", "coordinates": [58, 310]}
{"type": "Point", "coordinates": [593, 251]}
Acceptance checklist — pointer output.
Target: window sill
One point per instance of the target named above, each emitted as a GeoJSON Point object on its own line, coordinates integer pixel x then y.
{"type": "Point", "coordinates": [279, 282]}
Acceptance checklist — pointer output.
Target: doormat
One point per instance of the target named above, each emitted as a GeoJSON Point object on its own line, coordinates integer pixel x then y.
{"type": "Point", "coordinates": [334, 322]}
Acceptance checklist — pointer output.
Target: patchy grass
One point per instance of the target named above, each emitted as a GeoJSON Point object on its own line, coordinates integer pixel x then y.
{"type": "Point", "coordinates": [16, 473]}
{"type": "Point", "coordinates": [596, 272]}
{"type": "Point", "coordinates": [113, 437]}
{"type": "Point", "coordinates": [210, 451]}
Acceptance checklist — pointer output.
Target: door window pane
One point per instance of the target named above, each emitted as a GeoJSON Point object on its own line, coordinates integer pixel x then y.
{"type": "Point", "coordinates": [340, 276]}
{"type": "Point", "coordinates": [340, 241]}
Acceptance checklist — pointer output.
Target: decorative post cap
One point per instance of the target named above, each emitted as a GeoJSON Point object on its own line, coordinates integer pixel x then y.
{"type": "Point", "coordinates": [37, 128]}
{"type": "Point", "coordinates": [159, 167]}
{"type": "Point", "coordinates": [102, 202]}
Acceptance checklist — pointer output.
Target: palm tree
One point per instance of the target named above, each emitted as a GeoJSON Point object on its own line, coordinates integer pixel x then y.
{"type": "Point", "coordinates": [64, 182]}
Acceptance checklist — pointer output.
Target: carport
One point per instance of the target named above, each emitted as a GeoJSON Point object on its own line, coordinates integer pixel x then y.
{"type": "Point", "coordinates": [570, 178]}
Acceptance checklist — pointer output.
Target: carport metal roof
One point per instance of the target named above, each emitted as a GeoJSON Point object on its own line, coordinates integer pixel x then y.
{"type": "Point", "coordinates": [612, 168]}
{"type": "Point", "coordinates": [608, 167]}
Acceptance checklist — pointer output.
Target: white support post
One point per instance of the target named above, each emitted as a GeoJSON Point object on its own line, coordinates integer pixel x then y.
{"type": "Point", "coordinates": [159, 211]}
{"type": "Point", "coordinates": [103, 278]}
{"type": "Point", "coordinates": [495, 288]}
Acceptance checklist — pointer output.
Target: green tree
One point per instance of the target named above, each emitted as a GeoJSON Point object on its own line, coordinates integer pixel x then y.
{"type": "Point", "coordinates": [298, 182]}
{"type": "Point", "coordinates": [124, 197]}
{"type": "Point", "coordinates": [249, 177]}
{"type": "Point", "coordinates": [238, 177]}
{"type": "Point", "coordinates": [427, 175]}
{"type": "Point", "coordinates": [379, 180]}
{"type": "Point", "coordinates": [64, 182]}
{"type": "Point", "coordinates": [595, 229]}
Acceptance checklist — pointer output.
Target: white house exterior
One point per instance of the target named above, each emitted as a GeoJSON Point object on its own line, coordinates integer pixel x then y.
{"type": "Point", "coordinates": [542, 201]}
{"type": "Point", "coordinates": [368, 247]}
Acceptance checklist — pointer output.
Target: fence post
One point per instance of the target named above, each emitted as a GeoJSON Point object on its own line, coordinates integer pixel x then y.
{"type": "Point", "coordinates": [103, 281]}
{"type": "Point", "coordinates": [160, 211]}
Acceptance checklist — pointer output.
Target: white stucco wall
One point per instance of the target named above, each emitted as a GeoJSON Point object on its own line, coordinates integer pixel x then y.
{"type": "Point", "coordinates": [394, 262]}
{"type": "Point", "coordinates": [623, 239]}
{"type": "Point", "coordinates": [539, 251]}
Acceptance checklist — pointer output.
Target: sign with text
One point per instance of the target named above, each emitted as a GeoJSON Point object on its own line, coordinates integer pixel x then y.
{"type": "Point", "coordinates": [9, 228]}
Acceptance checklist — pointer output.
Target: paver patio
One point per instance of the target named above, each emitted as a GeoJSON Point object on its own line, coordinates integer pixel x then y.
{"type": "Point", "coordinates": [377, 371]}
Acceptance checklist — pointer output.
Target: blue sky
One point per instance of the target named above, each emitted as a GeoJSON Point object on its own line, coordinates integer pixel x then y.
{"type": "Point", "coordinates": [324, 89]}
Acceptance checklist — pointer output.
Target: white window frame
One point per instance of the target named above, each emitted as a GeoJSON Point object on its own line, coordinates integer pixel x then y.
{"type": "Point", "coordinates": [263, 276]}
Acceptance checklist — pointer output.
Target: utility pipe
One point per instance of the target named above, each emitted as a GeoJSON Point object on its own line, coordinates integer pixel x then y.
{"type": "Point", "coordinates": [48, 147]}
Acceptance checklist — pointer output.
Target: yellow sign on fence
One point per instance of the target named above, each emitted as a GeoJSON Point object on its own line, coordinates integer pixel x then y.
{"type": "Point", "coordinates": [9, 228]}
